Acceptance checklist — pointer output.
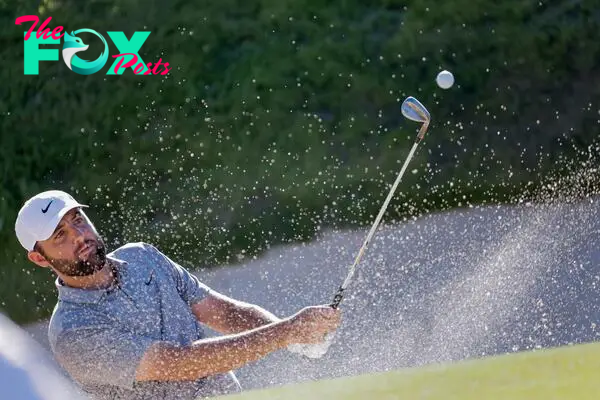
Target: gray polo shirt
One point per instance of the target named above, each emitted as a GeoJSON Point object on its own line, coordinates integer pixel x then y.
{"type": "Point", "coordinates": [100, 336]}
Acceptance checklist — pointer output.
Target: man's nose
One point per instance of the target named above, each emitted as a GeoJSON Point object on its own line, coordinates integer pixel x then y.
{"type": "Point", "coordinates": [78, 233]}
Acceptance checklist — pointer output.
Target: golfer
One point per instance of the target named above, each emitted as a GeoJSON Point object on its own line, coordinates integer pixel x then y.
{"type": "Point", "coordinates": [128, 324]}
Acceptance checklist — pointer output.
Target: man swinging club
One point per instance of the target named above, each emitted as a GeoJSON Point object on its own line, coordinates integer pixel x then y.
{"type": "Point", "coordinates": [128, 324]}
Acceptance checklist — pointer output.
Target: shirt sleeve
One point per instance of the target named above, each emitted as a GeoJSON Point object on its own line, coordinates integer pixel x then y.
{"type": "Point", "coordinates": [189, 286]}
{"type": "Point", "coordinates": [101, 354]}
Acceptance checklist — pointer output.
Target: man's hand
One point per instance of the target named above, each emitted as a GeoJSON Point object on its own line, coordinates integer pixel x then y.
{"type": "Point", "coordinates": [311, 324]}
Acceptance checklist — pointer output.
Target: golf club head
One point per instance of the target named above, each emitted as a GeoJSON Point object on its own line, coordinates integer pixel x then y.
{"type": "Point", "coordinates": [414, 110]}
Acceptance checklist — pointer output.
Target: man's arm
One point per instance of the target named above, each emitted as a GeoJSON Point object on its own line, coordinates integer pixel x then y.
{"type": "Point", "coordinates": [104, 353]}
{"type": "Point", "coordinates": [226, 315]}
{"type": "Point", "coordinates": [221, 313]}
{"type": "Point", "coordinates": [166, 362]}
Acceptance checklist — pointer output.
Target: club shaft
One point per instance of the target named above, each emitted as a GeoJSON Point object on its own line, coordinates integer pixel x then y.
{"type": "Point", "coordinates": [338, 297]}
{"type": "Point", "coordinates": [379, 217]}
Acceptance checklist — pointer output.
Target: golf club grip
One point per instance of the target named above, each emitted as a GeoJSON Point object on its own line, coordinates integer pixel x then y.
{"type": "Point", "coordinates": [318, 350]}
{"type": "Point", "coordinates": [337, 299]}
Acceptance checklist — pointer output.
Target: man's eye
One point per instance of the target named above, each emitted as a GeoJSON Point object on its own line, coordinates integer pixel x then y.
{"type": "Point", "coordinates": [59, 234]}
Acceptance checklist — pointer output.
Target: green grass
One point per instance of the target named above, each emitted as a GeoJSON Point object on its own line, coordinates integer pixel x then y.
{"type": "Point", "coordinates": [561, 373]}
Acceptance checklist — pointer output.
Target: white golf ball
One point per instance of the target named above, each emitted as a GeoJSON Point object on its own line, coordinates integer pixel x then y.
{"type": "Point", "coordinates": [445, 79]}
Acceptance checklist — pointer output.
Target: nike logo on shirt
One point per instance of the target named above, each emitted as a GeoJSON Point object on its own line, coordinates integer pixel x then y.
{"type": "Point", "coordinates": [150, 278]}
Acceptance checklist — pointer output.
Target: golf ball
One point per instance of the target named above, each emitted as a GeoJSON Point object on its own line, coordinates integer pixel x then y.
{"type": "Point", "coordinates": [445, 79]}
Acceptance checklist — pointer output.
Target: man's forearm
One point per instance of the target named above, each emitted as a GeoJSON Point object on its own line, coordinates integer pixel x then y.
{"type": "Point", "coordinates": [165, 362]}
{"type": "Point", "coordinates": [244, 316]}
{"type": "Point", "coordinates": [227, 315]}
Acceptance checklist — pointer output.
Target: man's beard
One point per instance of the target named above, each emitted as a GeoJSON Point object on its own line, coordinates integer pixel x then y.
{"type": "Point", "coordinates": [94, 262]}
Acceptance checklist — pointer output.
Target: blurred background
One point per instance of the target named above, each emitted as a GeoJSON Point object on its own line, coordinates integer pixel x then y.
{"type": "Point", "coordinates": [279, 124]}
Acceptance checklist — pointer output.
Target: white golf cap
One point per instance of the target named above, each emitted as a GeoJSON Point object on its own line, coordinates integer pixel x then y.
{"type": "Point", "coordinates": [41, 214]}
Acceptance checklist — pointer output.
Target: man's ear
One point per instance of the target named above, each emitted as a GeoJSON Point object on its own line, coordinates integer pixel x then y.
{"type": "Point", "coordinates": [38, 259]}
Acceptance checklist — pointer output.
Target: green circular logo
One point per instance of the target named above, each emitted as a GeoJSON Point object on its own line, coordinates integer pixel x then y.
{"type": "Point", "coordinates": [73, 45]}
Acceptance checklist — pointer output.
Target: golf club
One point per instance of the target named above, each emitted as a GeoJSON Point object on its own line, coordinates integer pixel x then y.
{"type": "Point", "coordinates": [415, 111]}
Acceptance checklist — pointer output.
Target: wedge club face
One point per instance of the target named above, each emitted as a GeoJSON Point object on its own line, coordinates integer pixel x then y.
{"type": "Point", "coordinates": [414, 110]}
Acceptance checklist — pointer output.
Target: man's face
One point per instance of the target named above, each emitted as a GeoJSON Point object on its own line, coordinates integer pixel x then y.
{"type": "Point", "coordinates": [75, 248]}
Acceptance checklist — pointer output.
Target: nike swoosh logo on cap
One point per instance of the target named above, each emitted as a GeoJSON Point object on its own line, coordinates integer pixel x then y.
{"type": "Point", "coordinates": [45, 210]}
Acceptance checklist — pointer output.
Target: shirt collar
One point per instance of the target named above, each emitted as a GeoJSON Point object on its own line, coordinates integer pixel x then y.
{"type": "Point", "coordinates": [78, 295]}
